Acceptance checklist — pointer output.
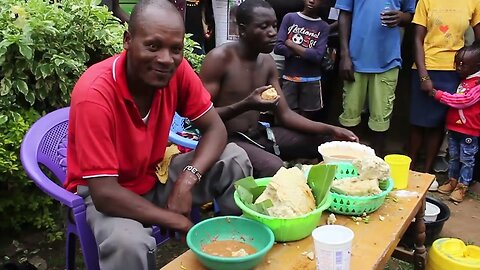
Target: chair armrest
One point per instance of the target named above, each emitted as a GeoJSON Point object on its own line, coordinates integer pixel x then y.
{"type": "Point", "coordinates": [52, 189]}
{"type": "Point", "coordinates": [179, 140]}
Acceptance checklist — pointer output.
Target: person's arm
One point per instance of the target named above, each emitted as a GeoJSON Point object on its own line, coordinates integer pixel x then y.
{"type": "Point", "coordinates": [114, 200]}
{"type": "Point", "coordinates": [211, 74]}
{"type": "Point", "coordinates": [402, 17]}
{"type": "Point", "coordinates": [282, 38]}
{"type": "Point", "coordinates": [294, 121]}
{"type": "Point", "coordinates": [210, 147]}
{"type": "Point", "coordinates": [345, 27]}
{"type": "Point", "coordinates": [418, 40]}
{"type": "Point", "coordinates": [316, 53]}
{"type": "Point", "coordinates": [394, 18]}
{"type": "Point", "coordinates": [213, 140]}
{"type": "Point", "coordinates": [460, 100]}
{"type": "Point", "coordinates": [194, 103]}
{"type": "Point", "coordinates": [119, 12]}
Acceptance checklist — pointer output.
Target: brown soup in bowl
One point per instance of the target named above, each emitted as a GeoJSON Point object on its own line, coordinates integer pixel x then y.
{"type": "Point", "coordinates": [228, 248]}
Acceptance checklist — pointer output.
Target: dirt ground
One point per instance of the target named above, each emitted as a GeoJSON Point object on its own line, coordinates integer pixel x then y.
{"type": "Point", "coordinates": [464, 219]}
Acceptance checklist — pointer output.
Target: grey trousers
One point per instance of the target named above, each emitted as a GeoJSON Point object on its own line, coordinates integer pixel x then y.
{"type": "Point", "coordinates": [127, 244]}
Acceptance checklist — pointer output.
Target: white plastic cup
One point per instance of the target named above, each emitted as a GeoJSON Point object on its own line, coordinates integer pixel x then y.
{"type": "Point", "coordinates": [333, 247]}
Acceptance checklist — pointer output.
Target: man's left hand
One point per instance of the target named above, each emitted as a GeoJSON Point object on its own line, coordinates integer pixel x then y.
{"type": "Point", "coordinates": [391, 18]}
{"type": "Point", "coordinates": [344, 134]}
{"type": "Point", "coordinates": [180, 198]}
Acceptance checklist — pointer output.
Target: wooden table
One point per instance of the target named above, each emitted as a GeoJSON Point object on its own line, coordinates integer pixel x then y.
{"type": "Point", "coordinates": [373, 244]}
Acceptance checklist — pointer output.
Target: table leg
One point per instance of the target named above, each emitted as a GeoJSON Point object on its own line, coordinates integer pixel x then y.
{"type": "Point", "coordinates": [420, 253]}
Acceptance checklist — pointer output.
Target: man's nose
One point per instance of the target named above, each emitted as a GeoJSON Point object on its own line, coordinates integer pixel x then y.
{"type": "Point", "coordinates": [164, 56]}
{"type": "Point", "coordinates": [272, 31]}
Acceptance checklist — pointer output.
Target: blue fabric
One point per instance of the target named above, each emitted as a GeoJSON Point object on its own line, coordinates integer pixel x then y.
{"type": "Point", "coordinates": [374, 48]}
{"type": "Point", "coordinates": [462, 149]}
{"type": "Point", "coordinates": [302, 79]}
{"type": "Point", "coordinates": [425, 111]}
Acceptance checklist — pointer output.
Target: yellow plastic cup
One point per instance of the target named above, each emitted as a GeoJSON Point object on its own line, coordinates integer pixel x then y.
{"type": "Point", "coordinates": [399, 168]}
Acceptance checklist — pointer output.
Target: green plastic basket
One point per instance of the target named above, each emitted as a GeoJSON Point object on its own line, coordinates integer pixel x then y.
{"type": "Point", "coordinates": [356, 205]}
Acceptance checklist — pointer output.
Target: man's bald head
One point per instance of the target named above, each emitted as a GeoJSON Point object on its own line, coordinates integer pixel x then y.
{"type": "Point", "coordinates": [145, 8]}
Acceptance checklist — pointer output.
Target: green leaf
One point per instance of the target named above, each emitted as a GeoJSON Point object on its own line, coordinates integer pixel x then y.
{"type": "Point", "coordinates": [58, 62]}
{"type": "Point", "coordinates": [3, 49]}
{"type": "Point", "coordinates": [3, 119]}
{"type": "Point", "coordinates": [26, 51]}
{"type": "Point", "coordinates": [21, 86]}
{"type": "Point", "coordinates": [63, 87]}
{"type": "Point", "coordinates": [5, 86]}
{"type": "Point", "coordinates": [248, 191]}
{"type": "Point", "coordinates": [320, 178]}
{"type": "Point", "coordinates": [30, 98]}
{"type": "Point", "coordinates": [16, 116]}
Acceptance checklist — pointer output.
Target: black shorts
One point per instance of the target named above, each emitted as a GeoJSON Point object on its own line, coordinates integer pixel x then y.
{"type": "Point", "coordinates": [305, 96]}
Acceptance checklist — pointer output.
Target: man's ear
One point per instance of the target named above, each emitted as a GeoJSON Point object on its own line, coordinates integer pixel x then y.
{"type": "Point", "coordinates": [127, 38]}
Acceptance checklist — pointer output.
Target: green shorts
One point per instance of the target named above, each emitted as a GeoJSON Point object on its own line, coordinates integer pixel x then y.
{"type": "Point", "coordinates": [380, 89]}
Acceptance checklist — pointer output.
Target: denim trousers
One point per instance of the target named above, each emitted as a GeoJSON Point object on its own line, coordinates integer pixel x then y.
{"type": "Point", "coordinates": [462, 149]}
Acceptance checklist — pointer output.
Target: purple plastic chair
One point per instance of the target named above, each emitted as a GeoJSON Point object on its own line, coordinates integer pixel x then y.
{"type": "Point", "coordinates": [46, 143]}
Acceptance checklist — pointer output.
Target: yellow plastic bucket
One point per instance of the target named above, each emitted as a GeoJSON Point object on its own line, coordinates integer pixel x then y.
{"type": "Point", "coordinates": [399, 168]}
{"type": "Point", "coordinates": [453, 254]}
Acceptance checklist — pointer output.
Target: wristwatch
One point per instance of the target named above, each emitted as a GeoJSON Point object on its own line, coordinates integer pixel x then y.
{"type": "Point", "coordinates": [193, 170]}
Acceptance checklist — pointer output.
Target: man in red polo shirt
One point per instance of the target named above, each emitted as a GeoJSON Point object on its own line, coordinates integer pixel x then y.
{"type": "Point", "coordinates": [120, 116]}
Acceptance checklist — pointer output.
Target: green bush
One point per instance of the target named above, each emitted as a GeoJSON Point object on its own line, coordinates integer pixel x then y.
{"type": "Point", "coordinates": [194, 59]}
{"type": "Point", "coordinates": [20, 201]}
{"type": "Point", "coordinates": [46, 46]}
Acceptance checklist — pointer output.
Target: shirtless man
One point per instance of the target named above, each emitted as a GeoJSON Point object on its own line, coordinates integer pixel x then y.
{"type": "Point", "coordinates": [236, 74]}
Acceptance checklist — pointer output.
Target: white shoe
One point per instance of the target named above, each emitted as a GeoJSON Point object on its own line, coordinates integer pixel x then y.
{"type": "Point", "coordinates": [433, 186]}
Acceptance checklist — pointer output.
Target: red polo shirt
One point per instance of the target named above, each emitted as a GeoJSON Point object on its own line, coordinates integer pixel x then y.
{"type": "Point", "coordinates": [106, 133]}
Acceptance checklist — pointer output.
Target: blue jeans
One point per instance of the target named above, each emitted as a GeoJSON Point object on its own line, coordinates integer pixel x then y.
{"type": "Point", "coordinates": [462, 149]}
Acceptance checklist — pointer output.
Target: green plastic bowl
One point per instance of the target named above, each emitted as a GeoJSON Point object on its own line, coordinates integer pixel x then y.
{"type": "Point", "coordinates": [230, 228]}
{"type": "Point", "coordinates": [286, 229]}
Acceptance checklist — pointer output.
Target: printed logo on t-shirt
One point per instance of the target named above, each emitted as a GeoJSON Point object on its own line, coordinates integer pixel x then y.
{"type": "Point", "coordinates": [303, 36]}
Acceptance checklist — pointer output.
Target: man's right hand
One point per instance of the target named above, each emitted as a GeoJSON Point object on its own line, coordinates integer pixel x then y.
{"type": "Point", "coordinates": [346, 69]}
{"type": "Point", "coordinates": [255, 101]}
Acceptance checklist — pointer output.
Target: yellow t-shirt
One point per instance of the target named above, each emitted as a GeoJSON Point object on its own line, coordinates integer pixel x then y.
{"type": "Point", "coordinates": [446, 22]}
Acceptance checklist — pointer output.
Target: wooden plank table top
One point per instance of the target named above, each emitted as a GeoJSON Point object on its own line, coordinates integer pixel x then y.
{"type": "Point", "coordinates": [373, 243]}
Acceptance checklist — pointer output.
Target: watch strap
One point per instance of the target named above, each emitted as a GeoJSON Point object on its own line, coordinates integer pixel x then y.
{"type": "Point", "coordinates": [193, 170]}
